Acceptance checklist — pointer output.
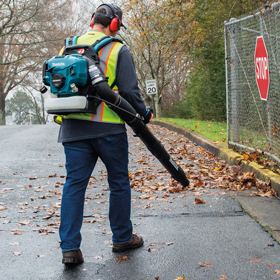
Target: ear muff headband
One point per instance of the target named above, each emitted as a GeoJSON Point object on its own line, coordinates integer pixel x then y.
{"type": "Point", "coordinates": [115, 21]}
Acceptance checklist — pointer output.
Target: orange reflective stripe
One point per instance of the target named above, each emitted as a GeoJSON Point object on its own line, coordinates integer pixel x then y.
{"type": "Point", "coordinates": [102, 110]}
{"type": "Point", "coordinates": [107, 60]}
{"type": "Point", "coordinates": [100, 52]}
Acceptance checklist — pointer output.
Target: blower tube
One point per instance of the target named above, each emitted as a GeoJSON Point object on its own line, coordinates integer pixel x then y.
{"type": "Point", "coordinates": [129, 115]}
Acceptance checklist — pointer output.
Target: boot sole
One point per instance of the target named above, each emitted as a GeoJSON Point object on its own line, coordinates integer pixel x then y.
{"type": "Point", "coordinates": [72, 261]}
{"type": "Point", "coordinates": [123, 249]}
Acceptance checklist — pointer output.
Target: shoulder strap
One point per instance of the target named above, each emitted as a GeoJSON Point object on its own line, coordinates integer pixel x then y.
{"type": "Point", "coordinates": [71, 41]}
{"type": "Point", "coordinates": [102, 42]}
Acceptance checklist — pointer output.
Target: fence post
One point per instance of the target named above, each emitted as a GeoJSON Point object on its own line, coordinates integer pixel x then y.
{"type": "Point", "coordinates": [227, 92]}
{"type": "Point", "coordinates": [234, 83]}
{"type": "Point", "coordinates": [268, 101]}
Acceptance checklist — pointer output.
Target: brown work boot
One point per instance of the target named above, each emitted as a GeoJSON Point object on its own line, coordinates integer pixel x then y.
{"type": "Point", "coordinates": [72, 257]}
{"type": "Point", "coordinates": [135, 242]}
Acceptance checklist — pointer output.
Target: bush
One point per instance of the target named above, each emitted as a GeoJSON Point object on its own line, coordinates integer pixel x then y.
{"type": "Point", "coordinates": [178, 109]}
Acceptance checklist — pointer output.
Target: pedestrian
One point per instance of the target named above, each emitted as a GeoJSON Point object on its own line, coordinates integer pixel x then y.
{"type": "Point", "coordinates": [87, 137]}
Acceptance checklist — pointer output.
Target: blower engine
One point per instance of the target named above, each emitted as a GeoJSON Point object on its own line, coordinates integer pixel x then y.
{"type": "Point", "coordinates": [61, 73]}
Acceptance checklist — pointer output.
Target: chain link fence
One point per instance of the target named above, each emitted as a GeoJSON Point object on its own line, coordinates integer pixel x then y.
{"type": "Point", "coordinates": [254, 120]}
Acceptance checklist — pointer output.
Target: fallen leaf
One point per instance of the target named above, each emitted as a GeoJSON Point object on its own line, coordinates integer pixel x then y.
{"type": "Point", "coordinates": [222, 277]}
{"type": "Point", "coordinates": [40, 256]}
{"type": "Point", "coordinates": [255, 261]}
{"type": "Point", "coordinates": [16, 232]}
{"type": "Point", "coordinates": [98, 257]}
{"type": "Point", "coordinates": [270, 264]}
{"type": "Point", "coordinates": [205, 264]}
{"type": "Point", "coordinates": [89, 221]}
{"type": "Point", "coordinates": [122, 259]}
{"type": "Point", "coordinates": [16, 253]}
{"type": "Point", "coordinates": [23, 223]}
{"type": "Point", "coordinates": [245, 156]}
{"type": "Point", "coordinates": [180, 278]}
{"type": "Point", "coordinates": [2, 208]}
{"type": "Point", "coordinates": [13, 244]}
{"type": "Point", "coordinates": [174, 190]}
{"type": "Point", "coordinates": [277, 271]}
{"type": "Point", "coordinates": [199, 201]}
{"type": "Point", "coordinates": [144, 196]}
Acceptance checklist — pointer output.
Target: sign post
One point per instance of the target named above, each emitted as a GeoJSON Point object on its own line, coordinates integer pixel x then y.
{"type": "Point", "coordinates": [261, 68]}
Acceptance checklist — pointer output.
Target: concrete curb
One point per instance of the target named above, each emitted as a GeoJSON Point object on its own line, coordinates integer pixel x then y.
{"type": "Point", "coordinates": [226, 154]}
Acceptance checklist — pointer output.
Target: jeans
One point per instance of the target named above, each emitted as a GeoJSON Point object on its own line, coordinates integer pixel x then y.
{"type": "Point", "coordinates": [81, 157]}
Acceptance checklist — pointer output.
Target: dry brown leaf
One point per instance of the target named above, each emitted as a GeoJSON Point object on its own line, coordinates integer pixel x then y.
{"type": "Point", "coordinates": [98, 257]}
{"type": "Point", "coordinates": [16, 253]}
{"type": "Point", "coordinates": [277, 271]}
{"type": "Point", "coordinates": [255, 261]}
{"type": "Point", "coordinates": [205, 264]}
{"type": "Point", "coordinates": [2, 208]}
{"type": "Point", "coordinates": [199, 201]}
{"type": "Point", "coordinates": [180, 278]}
{"type": "Point", "coordinates": [89, 221]}
{"type": "Point", "coordinates": [122, 259]}
{"type": "Point", "coordinates": [16, 232]}
{"type": "Point", "coordinates": [222, 277]}
{"type": "Point", "coordinates": [24, 223]}
{"type": "Point", "coordinates": [13, 244]}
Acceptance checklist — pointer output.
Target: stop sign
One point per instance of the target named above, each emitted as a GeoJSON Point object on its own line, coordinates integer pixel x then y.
{"type": "Point", "coordinates": [261, 67]}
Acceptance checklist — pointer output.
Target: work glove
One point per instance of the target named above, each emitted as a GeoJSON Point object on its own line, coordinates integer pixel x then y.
{"type": "Point", "coordinates": [148, 116]}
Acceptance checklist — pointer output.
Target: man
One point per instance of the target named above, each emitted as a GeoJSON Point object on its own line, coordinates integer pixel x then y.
{"type": "Point", "coordinates": [86, 137]}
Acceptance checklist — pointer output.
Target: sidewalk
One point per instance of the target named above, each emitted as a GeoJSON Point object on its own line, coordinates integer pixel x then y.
{"type": "Point", "coordinates": [211, 240]}
{"type": "Point", "coordinates": [266, 211]}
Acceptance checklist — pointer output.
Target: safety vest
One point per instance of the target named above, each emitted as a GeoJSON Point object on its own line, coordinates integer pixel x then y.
{"type": "Point", "coordinates": [108, 63]}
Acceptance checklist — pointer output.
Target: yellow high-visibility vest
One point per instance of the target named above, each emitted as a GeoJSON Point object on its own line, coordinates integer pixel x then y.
{"type": "Point", "coordinates": [108, 63]}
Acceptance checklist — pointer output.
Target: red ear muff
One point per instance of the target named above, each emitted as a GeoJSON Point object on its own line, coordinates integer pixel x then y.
{"type": "Point", "coordinates": [92, 21]}
{"type": "Point", "coordinates": [115, 25]}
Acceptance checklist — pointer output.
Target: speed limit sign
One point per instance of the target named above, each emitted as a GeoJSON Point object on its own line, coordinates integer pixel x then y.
{"type": "Point", "coordinates": [151, 86]}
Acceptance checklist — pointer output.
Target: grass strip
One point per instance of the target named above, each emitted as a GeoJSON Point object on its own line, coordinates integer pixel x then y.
{"type": "Point", "coordinates": [216, 131]}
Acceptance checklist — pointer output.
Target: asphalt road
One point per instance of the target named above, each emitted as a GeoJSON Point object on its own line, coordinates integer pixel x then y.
{"type": "Point", "coordinates": [213, 240]}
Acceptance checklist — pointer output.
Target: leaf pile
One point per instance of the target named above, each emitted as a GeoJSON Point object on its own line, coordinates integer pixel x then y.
{"type": "Point", "coordinates": [202, 168]}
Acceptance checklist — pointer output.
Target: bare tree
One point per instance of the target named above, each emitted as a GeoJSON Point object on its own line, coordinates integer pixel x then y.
{"type": "Point", "coordinates": [155, 40]}
{"type": "Point", "coordinates": [30, 32]}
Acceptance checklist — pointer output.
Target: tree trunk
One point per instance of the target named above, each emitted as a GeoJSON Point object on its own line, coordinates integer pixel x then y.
{"type": "Point", "coordinates": [158, 107]}
{"type": "Point", "coordinates": [2, 107]}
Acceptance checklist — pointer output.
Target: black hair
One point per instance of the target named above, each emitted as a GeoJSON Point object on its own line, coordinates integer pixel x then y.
{"type": "Point", "coordinates": [103, 20]}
